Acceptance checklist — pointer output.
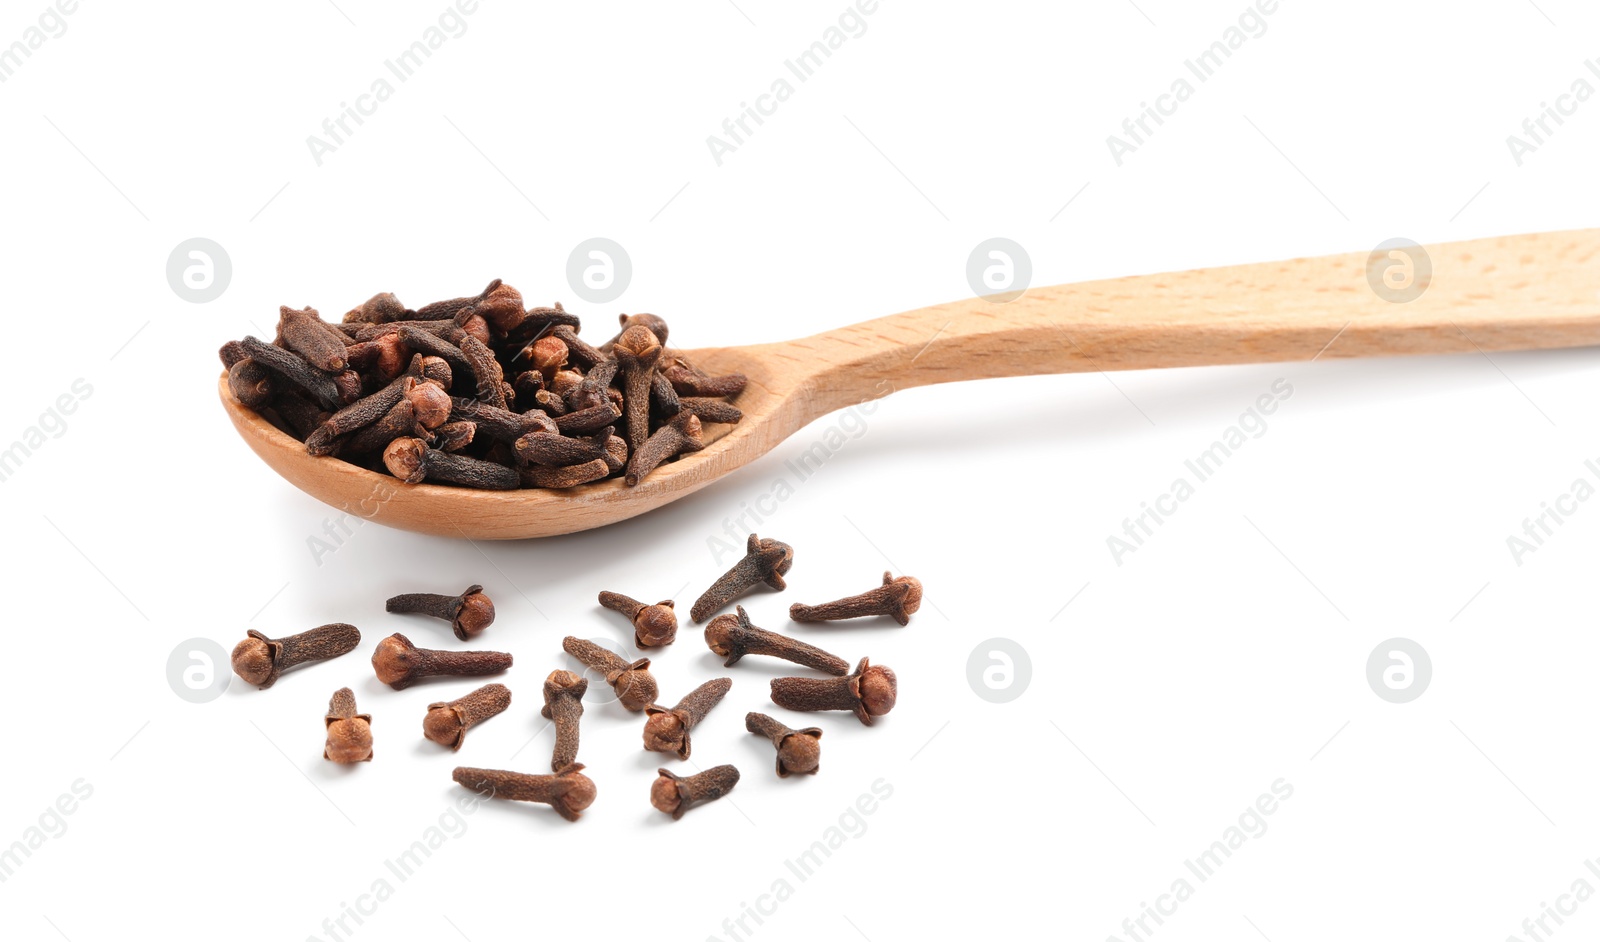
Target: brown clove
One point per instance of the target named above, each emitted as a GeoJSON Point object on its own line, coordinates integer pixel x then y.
{"type": "Point", "coordinates": [447, 723]}
{"type": "Point", "coordinates": [733, 636]}
{"type": "Point", "coordinates": [799, 750]}
{"type": "Point", "coordinates": [468, 613]}
{"type": "Point", "coordinates": [633, 683]}
{"type": "Point", "coordinates": [898, 598]}
{"type": "Point", "coordinates": [568, 791]}
{"type": "Point", "coordinates": [668, 730]}
{"type": "Point", "coordinates": [765, 561]}
{"type": "Point", "coordinates": [259, 659]}
{"type": "Point", "coordinates": [653, 625]}
{"type": "Point", "coordinates": [675, 794]}
{"type": "Point", "coordinates": [349, 733]}
{"type": "Point", "coordinates": [563, 706]}
{"type": "Point", "coordinates": [399, 663]}
{"type": "Point", "coordinates": [869, 692]}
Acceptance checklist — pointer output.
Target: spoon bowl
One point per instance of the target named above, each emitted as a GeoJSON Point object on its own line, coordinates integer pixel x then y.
{"type": "Point", "coordinates": [1539, 291]}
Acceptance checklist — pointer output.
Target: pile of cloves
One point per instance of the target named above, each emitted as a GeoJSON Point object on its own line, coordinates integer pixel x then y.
{"type": "Point", "coordinates": [865, 689]}
{"type": "Point", "coordinates": [480, 392]}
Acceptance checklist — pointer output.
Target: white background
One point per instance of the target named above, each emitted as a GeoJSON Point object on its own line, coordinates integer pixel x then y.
{"type": "Point", "coordinates": [1227, 653]}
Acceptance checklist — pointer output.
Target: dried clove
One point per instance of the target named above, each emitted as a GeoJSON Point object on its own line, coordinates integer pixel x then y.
{"type": "Point", "coordinates": [552, 449]}
{"type": "Point", "coordinates": [398, 422]}
{"type": "Point", "coordinates": [484, 367]}
{"type": "Point", "coordinates": [563, 705]}
{"type": "Point", "coordinates": [468, 613]}
{"type": "Point", "coordinates": [547, 355]}
{"type": "Point", "coordinates": [568, 791]}
{"type": "Point", "coordinates": [399, 663]}
{"type": "Point", "coordinates": [733, 636]}
{"type": "Point", "coordinates": [323, 387]}
{"type": "Point", "coordinates": [570, 476]}
{"type": "Point", "coordinates": [668, 730]}
{"type": "Point", "coordinates": [711, 410]}
{"type": "Point", "coordinates": [250, 383]}
{"type": "Point", "coordinates": [637, 352]}
{"type": "Point", "coordinates": [653, 625]}
{"type": "Point", "coordinates": [454, 436]}
{"type": "Point", "coordinates": [412, 461]}
{"type": "Point", "coordinates": [765, 561]}
{"type": "Point", "coordinates": [633, 683]}
{"type": "Point", "coordinates": [898, 598]}
{"type": "Point", "coordinates": [869, 692]}
{"type": "Point", "coordinates": [689, 381]}
{"type": "Point", "coordinates": [259, 659]}
{"type": "Point", "coordinates": [655, 325]}
{"type": "Point", "coordinates": [307, 334]}
{"type": "Point", "coordinates": [349, 733]}
{"type": "Point", "coordinates": [675, 794]}
{"type": "Point", "coordinates": [587, 421]}
{"type": "Point", "coordinates": [358, 415]}
{"type": "Point", "coordinates": [447, 723]}
{"type": "Point", "coordinates": [502, 425]}
{"type": "Point", "coordinates": [677, 437]}
{"type": "Point", "coordinates": [378, 309]}
{"type": "Point", "coordinates": [616, 456]}
{"type": "Point", "coordinates": [799, 750]}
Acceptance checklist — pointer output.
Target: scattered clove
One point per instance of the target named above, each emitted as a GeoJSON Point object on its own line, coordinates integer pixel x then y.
{"type": "Point", "coordinates": [868, 693]}
{"type": "Point", "coordinates": [653, 625]}
{"type": "Point", "coordinates": [563, 705]}
{"type": "Point", "coordinates": [633, 683]}
{"type": "Point", "coordinates": [733, 636]}
{"type": "Point", "coordinates": [675, 794]}
{"type": "Point", "coordinates": [399, 663]}
{"type": "Point", "coordinates": [668, 730]}
{"type": "Point", "coordinates": [468, 613]}
{"type": "Point", "coordinates": [349, 732]}
{"type": "Point", "coordinates": [765, 561]}
{"type": "Point", "coordinates": [799, 750]}
{"type": "Point", "coordinates": [568, 791]}
{"type": "Point", "coordinates": [898, 598]}
{"type": "Point", "coordinates": [259, 659]}
{"type": "Point", "coordinates": [447, 723]}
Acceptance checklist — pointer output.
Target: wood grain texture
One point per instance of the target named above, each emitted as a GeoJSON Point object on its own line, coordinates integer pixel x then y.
{"type": "Point", "coordinates": [1527, 292]}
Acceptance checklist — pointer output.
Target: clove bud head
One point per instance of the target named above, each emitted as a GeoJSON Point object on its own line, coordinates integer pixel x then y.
{"type": "Point", "coordinates": [664, 732]}
{"type": "Point", "coordinates": [476, 614]}
{"type": "Point", "coordinates": [636, 687]}
{"type": "Point", "coordinates": [252, 661]}
{"type": "Point", "coordinates": [349, 740]}
{"type": "Point", "coordinates": [443, 725]}
{"type": "Point", "coordinates": [655, 625]}
{"type": "Point", "coordinates": [431, 403]}
{"type": "Point", "coordinates": [719, 634]}
{"type": "Point", "coordinates": [639, 342]}
{"type": "Point", "coordinates": [877, 689]}
{"type": "Point", "coordinates": [403, 457]}
{"type": "Point", "coordinates": [580, 792]}
{"type": "Point", "coordinates": [664, 795]}
{"type": "Point", "coordinates": [394, 659]}
{"type": "Point", "coordinates": [799, 753]}
{"type": "Point", "coordinates": [913, 599]}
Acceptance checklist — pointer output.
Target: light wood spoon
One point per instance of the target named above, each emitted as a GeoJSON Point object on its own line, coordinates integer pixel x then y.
{"type": "Point", "coordinates": [1514, 293]}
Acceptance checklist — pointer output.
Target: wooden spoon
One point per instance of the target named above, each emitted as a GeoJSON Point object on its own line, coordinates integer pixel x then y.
{"type": "Point", "coordinates": [1514, 293]}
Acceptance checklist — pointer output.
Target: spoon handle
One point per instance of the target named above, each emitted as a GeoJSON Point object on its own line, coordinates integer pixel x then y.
{"type": "Point", "coordinates": [1525, 292]}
